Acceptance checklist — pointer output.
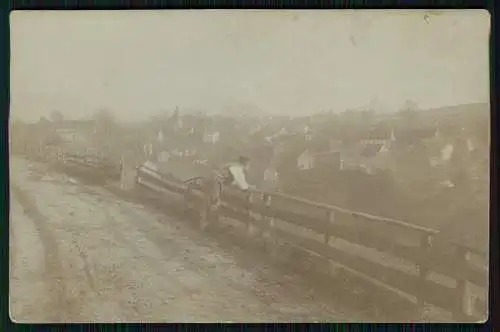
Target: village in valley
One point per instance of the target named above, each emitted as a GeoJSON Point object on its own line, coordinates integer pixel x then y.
{"type": "Point", "coordinates": [428, 167]}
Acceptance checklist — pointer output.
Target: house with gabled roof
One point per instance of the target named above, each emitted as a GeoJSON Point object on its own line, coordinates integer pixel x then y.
{"type": "Point", "coordinates": [305, 161]}
{"type": "Point", "coordinates": [412, 136]}
{"type": "Point", "coordinates": [211, 137]}
{"type": "Point", "coordinates": [379, 136]}
{"type": "Point", "coordinates": [76, 132]}
{"type": "Point", "coordinates": [318, 154]}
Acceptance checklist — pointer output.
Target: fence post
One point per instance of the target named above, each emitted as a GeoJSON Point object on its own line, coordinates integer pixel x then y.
{"type": "Point", "coordinates": [270, 226]}
{"type": "Point", "coordinates": [329, 222]}
{"type": "Point", "coordinates": [263, 228]}
{"type": "Point", "coordinates": [122, 173]}
{"type": "Point", "coordinates": [248, 213]}
{"type": "Point", "coordinates": [204, 211]}
{"type": "Point", "coordinates": [188, 198]}
{"type": "Point", "coordinates": [210, 207]}
{"type": "Point", "coordinates": [463, 304]}
{"type": "Point", "coordinates": [214, 207]}
{"type": "Point", "coordinates": [423, 268]}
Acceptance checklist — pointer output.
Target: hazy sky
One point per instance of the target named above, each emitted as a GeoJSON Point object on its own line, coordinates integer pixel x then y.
{"type": "Point", "coordinates": [137, 63]}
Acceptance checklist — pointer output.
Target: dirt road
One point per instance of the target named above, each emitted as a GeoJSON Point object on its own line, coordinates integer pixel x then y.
{"type": "Point", "coordinates": [80, 254]}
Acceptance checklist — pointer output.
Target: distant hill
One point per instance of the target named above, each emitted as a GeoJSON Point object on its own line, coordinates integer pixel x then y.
{"type": "Point", "coordinates": [437, 112]}
{"type": "Point", "coordinates": [459, 110]}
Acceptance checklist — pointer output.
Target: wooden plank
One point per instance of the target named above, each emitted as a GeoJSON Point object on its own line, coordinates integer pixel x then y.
{"type": "Point", "coordinates": [438, 262]}
{"type": "Point", "coordinates": [366, 216]}
{"type": "Point", "coordinates": [167, 177]}
{"type": "Point", "coordinates": [481, 308]}
{"type": "Point", "coordinates": [91, 163]}
{"type": "Point", "coordinates": [346, 211]}
{"type": "Point", "coordinates": [350, 234]}
{"type": "Point", "coordinates": [74, 159]}
{"type": "Point", "coordinates": [170, 186]}
{"type": "Point", "coordinates": [448, 265]}
{"type": "Point", "coordinates": [149, 171]}
{"type": "Point", "coordinates": [462, 306]}
{"type": "Point", "coordinates": [297, 219]}
{"type": "Point", "coordinates": [436, 294]}
{"type": "Point", "coordinates": [240, 216]}
{"type": "Point", "coordinates": [236, 198]}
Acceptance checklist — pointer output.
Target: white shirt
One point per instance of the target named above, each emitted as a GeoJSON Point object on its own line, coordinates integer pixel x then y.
{"type": "Point", "coordinates": [239, 177]}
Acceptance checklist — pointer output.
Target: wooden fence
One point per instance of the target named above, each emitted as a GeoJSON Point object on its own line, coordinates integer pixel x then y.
{"type": "Point", "coordinates": [86, 162]}
{"type": "Point", "coordinates": [389, 253]}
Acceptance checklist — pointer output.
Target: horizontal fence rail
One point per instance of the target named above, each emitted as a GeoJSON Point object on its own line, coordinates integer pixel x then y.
{"type": "Point", "coordinates": [391, 253]}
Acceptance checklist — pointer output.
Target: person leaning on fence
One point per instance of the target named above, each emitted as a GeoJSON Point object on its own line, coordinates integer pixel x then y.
{"type": "Point", "coordinates": [230, 174]}
{"type": "Point", "coordinates": [235, 174]}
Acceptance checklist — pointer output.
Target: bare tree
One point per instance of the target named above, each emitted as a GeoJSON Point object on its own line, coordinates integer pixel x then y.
{"type": "Point", "coordinates": [56, 116]}
{"type": "Point", "coordinates": [409, 113]}
{"type": "Point", "coordinates": [175, 114]}
{"type": "Point", "coordinates": [105, 120]}
{"type": "Point", "coordinates": [104, 115]}
{"type": "Point", "coordinates": [410, 106]}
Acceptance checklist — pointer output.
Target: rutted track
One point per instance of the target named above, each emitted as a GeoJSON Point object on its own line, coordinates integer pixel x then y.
{"type": "Point", "coordinates": [60, 306]}
{"type": "Point", "coordinates": [111, 260]}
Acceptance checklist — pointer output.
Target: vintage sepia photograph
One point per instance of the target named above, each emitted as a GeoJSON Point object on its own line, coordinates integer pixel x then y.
{"type": "Point", "coordinates": [249, 166]}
